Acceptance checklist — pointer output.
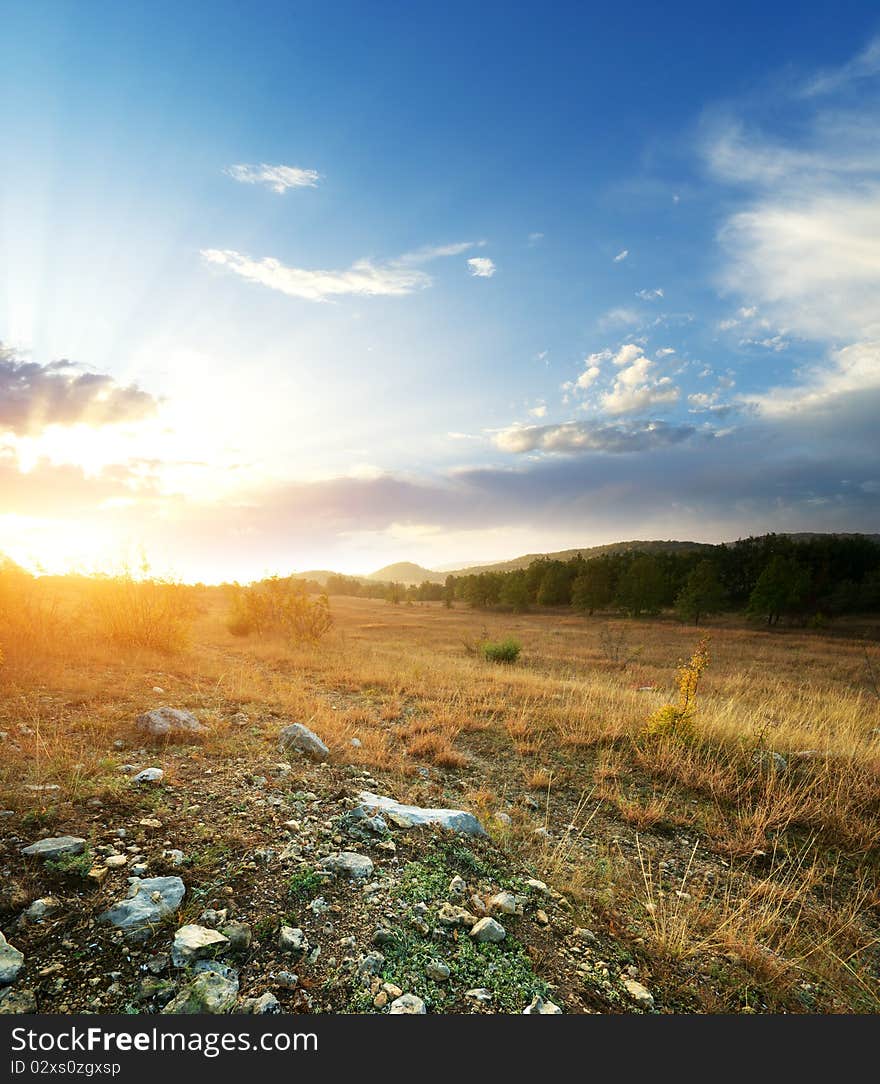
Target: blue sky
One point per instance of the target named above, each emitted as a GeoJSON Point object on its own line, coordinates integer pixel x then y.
{"type": "Point", "coordinates": [330, 285]}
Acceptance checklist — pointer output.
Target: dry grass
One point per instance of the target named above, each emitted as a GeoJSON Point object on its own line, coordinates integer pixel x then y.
{"type": "Point", "coordinates": [793, 852]}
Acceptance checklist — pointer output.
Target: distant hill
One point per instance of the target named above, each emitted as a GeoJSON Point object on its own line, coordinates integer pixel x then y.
{"type": "Point", "coordinates": [588, 552]}
{"type": "Point", "coordinates": [406, 572]}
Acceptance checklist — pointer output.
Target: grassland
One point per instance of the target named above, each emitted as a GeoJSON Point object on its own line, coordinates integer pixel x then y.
{"type": "Point", "coordinates": [729, 879]}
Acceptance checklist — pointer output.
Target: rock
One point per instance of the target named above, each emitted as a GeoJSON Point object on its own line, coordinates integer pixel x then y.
{"type": "Point", "coordinates": [371, 964]}
{"type": "Point", "coordinates": [640, 994]}
{"type": "Point", "coordinates": [768, 760]}
{"type": "Point", "coordinates": [380, 1000]}
{"type": "Point", "coordinates": [54, 847]}
{"type": "Point", "coordinates": [542, 917]}
{"type": "Point", "coordinates": [479, 994]}
{"type": "Point", "coordinates": [286, 980]}
{"type": "Point", "coordinates": [265, 1005]}
{"type": "Point", "coordinates": [148, 775]}
{"type": "Point", "coordinates": [504, 903]}
{"type": "Point", "coordinates": [194, 942]}
{"type": "Point", "coordinates": [537, 886]}
{"type": "Point", "coordinates": [17, 1001]}
{"type": "Point", "coordinates": [437, 970]}
{"type": "Point", "coordinates": [544, 1008]}
{"type": "Point", "coordinates": [174, 856]}
{"type": "Point", "coordinates": [356, 743]}
{"type": "Point", "coordinates": [450, 915]}
{"type": "Point", "coordinates": [238, 934]}
{"type": "Point", "coordinates": [42, 908]}
{"type": "Point", "coordinates": [457, 887]}
{"type": "Point", "coordinates": [297, 738]}
{"type": "Point", "coordinates": [487, 929]}
{"type": "Point", "coordinates": [149, 901]}
{"type": "Point", "coordinates": [407, 1005]}
{"type": "Point", "coordinates": [209, 992]}
{"type": "Point", "coordinates": [583, 934]}
{"type": "Point", "coordinates": [347, 864]}
{"type": "Point", "coordinates": [503, 819]}
{"type": "Point", "coordinates": [168, 722]}
{"type": "Point", "coordinates": [115, 861]}
{"type": "Point", "coordinates": [292, 940]}
{"type": "Point", "coordinates": [412, 816]}
{"type": "Point", "coordinates": [11, 962]}
{"type": "Point", "coordinates": [97, 874]}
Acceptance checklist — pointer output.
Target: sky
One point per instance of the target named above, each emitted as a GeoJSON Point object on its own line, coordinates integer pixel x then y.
{"type": "Point", "coordinates": [290, 286]}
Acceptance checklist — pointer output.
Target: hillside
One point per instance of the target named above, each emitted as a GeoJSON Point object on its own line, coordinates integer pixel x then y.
{"type": "Point", "coordinates": [407, 573]}
{"type": "Point", "coordinates": [588, 552]}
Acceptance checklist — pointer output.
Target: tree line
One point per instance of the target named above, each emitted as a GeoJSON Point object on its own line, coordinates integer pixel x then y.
{"type": "Point", "coordinates": [772, 577]}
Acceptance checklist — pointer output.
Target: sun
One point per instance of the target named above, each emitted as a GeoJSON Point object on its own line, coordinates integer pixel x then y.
{"type": "Point", "coordinates": [47, 546]}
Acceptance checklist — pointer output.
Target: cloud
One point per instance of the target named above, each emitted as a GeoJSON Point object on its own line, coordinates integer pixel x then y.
{"type": "Point", "coordinates": [621, 256]}
{"type": "Point", "coordinates": [865, 65]}
{"type": "Point", "coordinates": [277, 178]}
{"type": "Point", "coordinates": [481, 267]}
{"type": "Point", "coordinates": [539, 411]}
{"type": "Point", "coordinates": [535, 239]}
{"type": "Point", "coordinates": [650, 295]}
{"type": "Point", "coordinates": [574, 437]}
{"type": "Point", "coordinates": [34, 396]}
{"type": "Point", "coordinates": [620, 317]}
{"type": "Point", "coordinates": [394, 278]}
{"type": "Point", "coordinates": [636, 388]}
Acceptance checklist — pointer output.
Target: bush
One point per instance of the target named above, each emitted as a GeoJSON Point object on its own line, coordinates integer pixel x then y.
{"type": "Point", "coordinates": [30, 624]}
{"type": "Point", "coordinates": [503, 651]}
{"type": "Point", "coordinates": [150, 613]}
{"type": "Point", "coordinates": [677, 720]}
{"type": "Point", "coordinates": [278, 606]}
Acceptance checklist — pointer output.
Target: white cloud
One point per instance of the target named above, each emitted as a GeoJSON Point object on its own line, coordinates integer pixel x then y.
{"type": "Point", "coordinates": [278, 178]}
{"type": "Point", "coordinates": [539, 411]}
{"type": "Point", "coordinates": [621, 256]}
{"type": "Point", "coordinates": [535, 238]}
{"type": "Point", "coordinates": [394, 278]}
{"type": "Point", "coordinates": [588, 377]}
{"type": "Point", "coordinates": [627, 354]}
{"type": "Point", "coordinates": [863, 66]}
{"type": "Point", "coordinates": [636, 388]}
{"type": "Point", "coordinates": [853, 370]}
{"type": "Point", "coordinates": [481, 267]}
{"type": "Point", "coordinates": [650, 295]}
{"type": "Point", "coordinates": [620, 317]}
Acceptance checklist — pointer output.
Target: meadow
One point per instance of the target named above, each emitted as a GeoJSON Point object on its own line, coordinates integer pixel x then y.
{"type": "Point", "coordinates": [733, 867]}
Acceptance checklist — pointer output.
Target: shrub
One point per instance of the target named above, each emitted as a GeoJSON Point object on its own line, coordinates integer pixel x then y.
{"type": "Point", "coordinates": [503, 651]}
{"type": "Point", "coordinates": [152, 613]}
{"type": "Point", "coordinates": [678, 719]}
{"type": "Point", "coordinates": [278, 606]}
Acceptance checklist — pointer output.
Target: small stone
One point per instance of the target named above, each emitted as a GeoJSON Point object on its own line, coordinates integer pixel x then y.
{"type": "Point", "coordinates": [457, 887]}
{"type": "Point", "coordinates": [209, 992]}
{"type": "Point", "coordinates": [479, 994]}
{"type": "Point", "coordinates": [149, 822]}
{"type": "Point", "coordinates": [503, 819]}
{"type": "Point", "coordinates": [292, 940]}
{"type": "Point", "coordinates": [168, 722]}
{"type": "Point", "coordinates": [97, 874]}
{"type": "Point", "coordinates": [297, 738]}
{"type": "Point", "coordinates": [356, 743]}
{"type": "Point", "coordinates": [115, 861]}
{"type": "Point", "coordinates": [537, 886]}
{"type": "Point", "coordinates": [149, 901]}
{"type": "Point", "coordinates": [407, 1005]}
{"type": "Point", "coordinates": [42, 908]}
{"type": "Point", "coordinates": [14, 1001]}
{"type": "Point", "coordinates": [542, 917]}
{"type": "Point", "coordinates": [287, 980]}
{"type": "Point", "coordinates": [380, 1000]}
{"type": "Point", "coordinates": [174, 856]}
{"type": "Point", "coordinates": [148, 775]}
{"type": "Point", "coordinates": [437, 970]}
{"type": "Point", "coordinates": [450, 915]}
{"type": "Point", "coordinates": [504, 903]}
{"type": "Point", "coordinates": [265, 1005]}
{"type": "Point", "coordinates": [487, 929]}
{"type": "Point", "coordinates": [391, 990]}
{"type": "Point", "coordinates": [54, 847]}
{"type": "Point", "coordinates": [640, 994]}
{"type": "Point", "coordinates": [238, 934]}
{"type": "Point", "coordinates": [542, 1007]}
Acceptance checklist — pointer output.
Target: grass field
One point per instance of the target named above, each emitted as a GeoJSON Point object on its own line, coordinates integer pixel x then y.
{"type": "Point", "coordinates": [731, 879]}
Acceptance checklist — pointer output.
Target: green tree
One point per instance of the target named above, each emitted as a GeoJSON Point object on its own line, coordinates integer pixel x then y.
{"type": "Point", "coordinates": [515, 592]}
{"type": "Point", "coordinates": [594, 588]}
{"type": "Point", "coordinates": [781, 589]}
{"type": "Point", "coordinates": [642, 586]}
{"type": "Point", "coordinates": [702, 594]}
{"type": "Point", "coordinates": [555, 589]}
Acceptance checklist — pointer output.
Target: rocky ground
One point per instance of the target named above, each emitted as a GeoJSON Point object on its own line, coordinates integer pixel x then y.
{"type": "Point", "coordinates": [276, 887]}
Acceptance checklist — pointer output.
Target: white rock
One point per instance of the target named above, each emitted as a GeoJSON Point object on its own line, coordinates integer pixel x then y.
{"type": "Point", "coordinates": [504, 903]}
{"type": "Point", "coordinates": [640, 994]}
{"type": "Point", "coordinates": [54, 847]}
{"type": "Point", "coordinates": [148, 775]}
{"type": "Point", "coordinates": [42, 908]}
{"type": "Point", "coordinates": [168, 722]}
{"type": "Point", "coordinates": [348, 864]}
{"type": "Point", "coordinates": [411, 816]}
{"type": "Point", "coordinates": [193, 942]}
{"type": "Point", "coordinates": [542, 1007]}
{"type": "Point", "coordinates": [11, 961]}
{"type": "Point", "coordinates": [148, 902]}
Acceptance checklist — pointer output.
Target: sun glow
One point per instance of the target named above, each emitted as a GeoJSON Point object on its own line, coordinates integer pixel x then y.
{"type": "Point", "coordinates": [55, 547]}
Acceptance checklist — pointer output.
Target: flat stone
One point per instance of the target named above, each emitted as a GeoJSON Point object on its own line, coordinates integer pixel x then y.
{"type": "Point", "coordinates": [450, 915]}
{"type": "Point", "coordinates": [115, 861]}
{"type": "Point", "coordinates": [194, 942]}
{"type": "Point", "coordinates": [487, 929]}
{"type": "Point", "coordinates": [265, 1005]}
{"type": "Point", "coordinates": [11, 961]}
{"type": "Point", "coordinates": [42, 908]}
{"type": "Point", "coordinates": [407, 1005]}
{"type": "Point", "coordinates": [238, 934]}
{"type": "Point", "coordinates": [437, 970]}
{"type": "Point", "coordinates": [54, 847]}
{"type": "Point", "coordinates": [149, 901]}
{"type": "Point", "coordinates": [504, 903]}
{"type": "Point", "coordinates": [297, 738]}
{"type": "Point", "coordinates": [292, 939]}
{"type": "Point", "coordinates": [640, 994]}
{"type": "Point", "coordinates": [347, 864]}
{"type": "Point", "coordinates": [412, 816]}
{"type": "Point", "coordinates": [168, 722]}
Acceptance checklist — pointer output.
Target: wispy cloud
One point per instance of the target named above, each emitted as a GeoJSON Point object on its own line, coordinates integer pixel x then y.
{"type": "Point", "coordinates": [863, 66]}
{"type": "Point", "coordinates": [621, 256]}
{"type": "Point", "coordinates": [481, 267]}
{"type": "Point", "coordinates": [34, 396]}
{"type": "Point", "coordinates": [572, 437]}
{"type": "Point", "coordinates": [393, 278]}
{"type": "Point", "coordinates": [650, 295]}
{"type": "Point", "coordinates": [277, 178]}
